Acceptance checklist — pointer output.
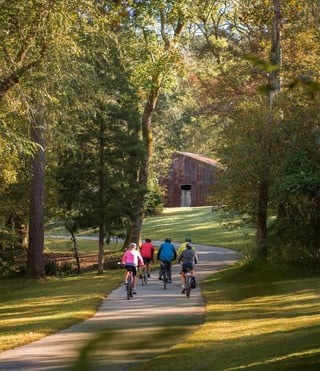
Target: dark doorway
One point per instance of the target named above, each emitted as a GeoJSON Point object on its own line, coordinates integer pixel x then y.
{"type": "Point", "coordinates": [185, 195]}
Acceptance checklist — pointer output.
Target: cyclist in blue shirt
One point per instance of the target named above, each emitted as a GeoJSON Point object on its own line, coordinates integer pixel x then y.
{"type": "Point", "coordinates": [166, 254]}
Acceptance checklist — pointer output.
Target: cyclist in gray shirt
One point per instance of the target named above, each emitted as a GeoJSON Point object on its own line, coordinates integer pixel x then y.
{"type": "Point", "coordinates": [188, 258]}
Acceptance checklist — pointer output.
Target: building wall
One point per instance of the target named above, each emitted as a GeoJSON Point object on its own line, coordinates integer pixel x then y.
{"type": "Point", "coordinates": [190, 181]}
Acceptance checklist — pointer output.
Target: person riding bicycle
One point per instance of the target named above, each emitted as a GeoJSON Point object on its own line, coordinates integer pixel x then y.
{"type": "Point", "coordinates": [131, 260]}
{"type": "Point", "coordinates": [166, 254]}
{"type": "Point", "coordinates": [188, 258]}
{"type": "Point", "coordinates": [147, 252]}
{"type": "Point", "coordinates": [183, 246]}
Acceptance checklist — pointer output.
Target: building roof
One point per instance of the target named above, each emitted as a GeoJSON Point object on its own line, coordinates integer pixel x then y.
{"type": "Point", "coordinates": [207, 160]}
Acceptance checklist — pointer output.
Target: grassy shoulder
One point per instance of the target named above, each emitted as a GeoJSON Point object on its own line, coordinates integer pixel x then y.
{"type": "Point", "coordinates": [32, 309]}
{"type": "Point", "coordinates": [266, 318]}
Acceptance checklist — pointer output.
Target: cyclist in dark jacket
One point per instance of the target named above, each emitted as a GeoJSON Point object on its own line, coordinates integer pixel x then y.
{"type": "Point", "coordinates": [166, 254]}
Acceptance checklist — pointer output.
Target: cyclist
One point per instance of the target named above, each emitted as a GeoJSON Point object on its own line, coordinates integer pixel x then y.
{"type": "Point", "coordinates": [188, 258]}
{"type": "Point", "coordinates": [166, 254]}
{"type": "Point", "coordinates": [147, 252]}
{"type": "Point", "coordinates": [132, 259]}
{"type": "Point", "coordinates": [183, 246]}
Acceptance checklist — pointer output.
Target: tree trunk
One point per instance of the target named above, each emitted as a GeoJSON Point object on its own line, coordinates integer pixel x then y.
{"type": "Point", "coordinates": [275, 84]}
{"type": "Point", "coordinates": [75, 248]}
{"type": "Point", "coordinates": [35, 259]}
{"type": "Point", "coordinates": [146, 125]}
{"type": "Point", "coordinates": [24, 235]}
{"type": "Point", "coordinates": [136, 223]}
{"type": "Point", "coordinates": [102, 232]}
{"type": "Point", "coordinates": [262, 218]}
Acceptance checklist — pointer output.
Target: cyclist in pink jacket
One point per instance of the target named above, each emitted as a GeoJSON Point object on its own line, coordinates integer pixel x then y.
{"type": "Point", "coordinates": [132, 259]}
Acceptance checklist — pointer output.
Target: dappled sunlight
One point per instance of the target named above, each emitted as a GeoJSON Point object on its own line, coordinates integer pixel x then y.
{"type": "Point", "coordinates": [257, 315]}
{"type": "Point", "coordinates": [200, 224]}
{"type": "Point", "coordinates": [250, 324]}
{"type": "Point", "coordinates": [275, 360]}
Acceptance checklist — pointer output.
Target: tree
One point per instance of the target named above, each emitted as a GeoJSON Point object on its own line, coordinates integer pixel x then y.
{"type": "Point", "coordinates": [33, 36]}
{"type": "Point", "coordinates": [274, 88]}
{"type": "Point", "coordinates": [35, 261]}
{"type": "Point", "coordinates": [159, 27]}
{"type": "Point", "coordinates": [106, 147]}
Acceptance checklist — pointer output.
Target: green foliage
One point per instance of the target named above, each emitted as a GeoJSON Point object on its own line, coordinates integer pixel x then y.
{"type": "Point", "coordinates": [51, 267]}
{"type": "Point", "coordinates": [266, 66]}
{"type": "Point", "coordinates": [296, 230]}
{"type": "Point", "coordinates": [154, 200]}
{"type": "Point", "coordinates": [12, 254]}
{"type": "Point", "coordinates": [294, 234]}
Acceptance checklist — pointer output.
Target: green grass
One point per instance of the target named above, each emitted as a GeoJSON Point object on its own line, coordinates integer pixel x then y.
{"type": "Point", "coordinates": [30, 310]}
{"type": "Point", "coordinates": [200, 224]}
{"type": "Point", "coordinates": [65, 245]}
{"type": "Point", "coordinates": [266, 319]}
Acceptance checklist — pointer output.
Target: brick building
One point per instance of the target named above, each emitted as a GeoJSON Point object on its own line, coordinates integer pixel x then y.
{"type": "Point", "coordinates": [190, 181]}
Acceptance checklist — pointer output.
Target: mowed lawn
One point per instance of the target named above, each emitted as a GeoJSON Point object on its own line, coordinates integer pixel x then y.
{"type": "Point", "coordinates": [258, 318]}
{"type": "Point", "coordinates": [264, 319]}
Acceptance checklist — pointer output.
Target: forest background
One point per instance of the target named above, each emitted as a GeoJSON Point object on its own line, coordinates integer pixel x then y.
{"type": "Point", "coordinates": [95, 96]}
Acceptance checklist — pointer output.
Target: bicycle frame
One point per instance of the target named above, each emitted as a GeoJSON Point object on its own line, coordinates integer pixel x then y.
{"type": "Point", "coordinates": [165, 273]}
{"type": "Point", "coordinates": [143, 275]}
{"type": "Point", "coordinates": [129, 283]}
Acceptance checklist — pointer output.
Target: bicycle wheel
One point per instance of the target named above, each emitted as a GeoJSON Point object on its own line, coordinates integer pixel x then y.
{"type": "Point", "coordinates": [143, 277]}
{"type": "Point", "coordinates": [188, 285]}
{"type": "Point", "coordinates": [164, 277]}
{"type": "Point", "coordinates": [129, 286]}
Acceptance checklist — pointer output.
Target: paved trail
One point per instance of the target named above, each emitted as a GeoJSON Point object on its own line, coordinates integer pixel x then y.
{"type": "Point", "coordinates": [155, 319]}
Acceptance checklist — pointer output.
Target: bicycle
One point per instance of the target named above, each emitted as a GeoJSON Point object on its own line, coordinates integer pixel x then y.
{"type": "Point", "coordinates": [143, 276]}
{"type": "Point", "coordinates": [129, 281]}
{"type": "Point", "coordinates": [129, 285]}
{"type": "Point", "coordinates": [165, 266]}
{"type": "Point", "coordinates": [188, 278]}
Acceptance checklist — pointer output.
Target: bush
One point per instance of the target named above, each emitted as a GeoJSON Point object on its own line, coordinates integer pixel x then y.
{"type": "Point", "coordinates": [11, 258]}
{"type": "Point", "coordinates": [51, 268]}
{"type": "Point", "coordinates": [294, 244]}
{"type": "Point", "coordinates": [66, 267]}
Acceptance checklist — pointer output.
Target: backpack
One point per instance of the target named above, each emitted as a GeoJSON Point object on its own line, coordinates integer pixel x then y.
{"type": "Point", "coordinates": [193, 282]}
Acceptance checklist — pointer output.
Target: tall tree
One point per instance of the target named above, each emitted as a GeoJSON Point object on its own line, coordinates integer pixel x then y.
{"type": "Point", "coordinates": [35, 261]}
{"type": "Point", "coordinates": [274, 88]}
{"type": "Point", "coordinates": [161, 25]}
{"type": "Point", "coordinates": [33, 36]}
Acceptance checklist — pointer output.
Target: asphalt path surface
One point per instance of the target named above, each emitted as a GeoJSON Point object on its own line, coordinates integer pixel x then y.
{"type": "Point", "coordinates": [123, 333]}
